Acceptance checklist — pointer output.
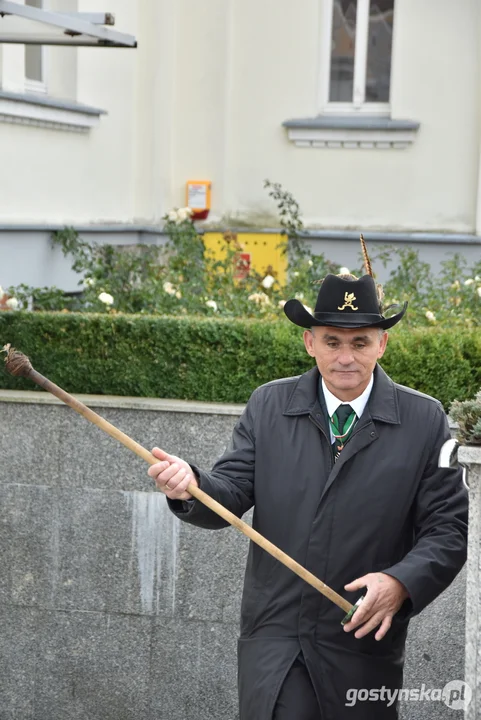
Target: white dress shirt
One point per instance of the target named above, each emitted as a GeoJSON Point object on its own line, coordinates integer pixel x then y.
{"type": "Point", "coordinates": [358, 404]}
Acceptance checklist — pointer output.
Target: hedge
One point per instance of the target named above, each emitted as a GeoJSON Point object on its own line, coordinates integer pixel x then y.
{"type": "Point", "coordinates": [216, 360]}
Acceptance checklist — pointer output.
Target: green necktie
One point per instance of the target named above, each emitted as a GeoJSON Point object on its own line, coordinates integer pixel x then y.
{"type": "Point", "coordinates": [342, 424]}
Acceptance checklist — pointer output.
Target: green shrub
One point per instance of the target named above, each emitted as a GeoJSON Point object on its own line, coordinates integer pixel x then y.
{"type": "Point", "coordinates": [214, 359]}
{"type": "Point", "coordinates": [442, 363]}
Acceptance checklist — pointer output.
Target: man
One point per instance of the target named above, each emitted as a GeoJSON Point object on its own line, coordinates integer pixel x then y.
{"type": "Point", "coordinates": [341, 465]}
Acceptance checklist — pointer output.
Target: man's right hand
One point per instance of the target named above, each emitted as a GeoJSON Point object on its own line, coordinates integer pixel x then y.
{"type": "Point", "coordinates": [172, 475]}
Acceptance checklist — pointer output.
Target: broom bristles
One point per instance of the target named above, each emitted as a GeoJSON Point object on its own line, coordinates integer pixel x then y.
{"type": "Point", "coordinates": [16, 363]}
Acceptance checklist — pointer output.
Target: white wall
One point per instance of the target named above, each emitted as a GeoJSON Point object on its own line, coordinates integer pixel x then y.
{"type": "Point", "coordinates": [272, 62]}
{"type": "Point", "coordinates": [55, 176]}
{"type": "Point", "coordinates": [205, 95]}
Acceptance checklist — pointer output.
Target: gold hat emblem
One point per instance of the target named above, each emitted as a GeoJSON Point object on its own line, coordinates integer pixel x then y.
{"type": "Point", "coordinates": [348, 300]}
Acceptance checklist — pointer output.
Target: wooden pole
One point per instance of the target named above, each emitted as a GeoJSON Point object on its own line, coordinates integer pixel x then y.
{"type": "Point", "coordinates": [18, 364]}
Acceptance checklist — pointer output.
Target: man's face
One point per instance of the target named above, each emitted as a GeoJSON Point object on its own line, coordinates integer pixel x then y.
{"type": "Point", "coordinates": [346, 358]}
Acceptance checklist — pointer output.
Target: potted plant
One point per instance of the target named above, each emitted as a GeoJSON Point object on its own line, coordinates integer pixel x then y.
{"type": "Point", "coordinates": [467, 415]}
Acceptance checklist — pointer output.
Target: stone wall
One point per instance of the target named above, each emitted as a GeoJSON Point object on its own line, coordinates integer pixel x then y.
{"type": "Point", "coordinates": [111, 609]}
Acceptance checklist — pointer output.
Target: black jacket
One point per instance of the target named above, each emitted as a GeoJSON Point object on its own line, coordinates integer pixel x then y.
{"type": "Point", "coordinates": [384, 505]}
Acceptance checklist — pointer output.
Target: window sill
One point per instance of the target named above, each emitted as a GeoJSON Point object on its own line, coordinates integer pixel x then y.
{"type": "Point", "coordinates": [45, 112]}
{"type": "Point", "coordinates": [367, 132]}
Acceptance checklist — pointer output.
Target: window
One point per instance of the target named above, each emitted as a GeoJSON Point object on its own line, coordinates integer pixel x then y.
{"type": "Point", "coordinates": [35, 61]}
{"type": "Point", "coordinates": [356, 59]}
{"type": "Point", "coordinates": [354, 81]}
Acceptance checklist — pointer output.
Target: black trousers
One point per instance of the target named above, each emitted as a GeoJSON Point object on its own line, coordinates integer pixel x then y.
{"type": "Point", "coordinates": [297, 699]}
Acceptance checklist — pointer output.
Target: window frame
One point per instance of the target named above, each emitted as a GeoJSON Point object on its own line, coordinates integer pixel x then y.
{"type": "Point", "coordinates": [37, 86]}
{"type": "Point", "coordinates": [358, 106]}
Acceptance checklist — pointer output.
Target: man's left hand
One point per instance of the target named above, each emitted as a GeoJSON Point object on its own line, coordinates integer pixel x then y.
{"type": "Point", "coordinates": [384, 597]}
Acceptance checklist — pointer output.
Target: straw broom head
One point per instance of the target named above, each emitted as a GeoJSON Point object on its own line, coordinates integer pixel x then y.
{"type": "Point", "coordinates": [16, 363]}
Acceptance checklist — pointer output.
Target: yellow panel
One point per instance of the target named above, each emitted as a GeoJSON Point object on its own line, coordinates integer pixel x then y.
{"type": "Point", "coordinates": [264, 250]}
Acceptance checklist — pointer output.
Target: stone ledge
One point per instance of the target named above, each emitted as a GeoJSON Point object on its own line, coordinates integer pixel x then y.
{"type": "Point", "coordinates": [47, 112]}
{"type": "Point", "coordinates": [470, 454]}
{"type": "Point", "coordinates": [137, 403]}
{"type": "Point", "coordinates": [367, 132]}
{"type": "Point", "coordinates": [33, 397]}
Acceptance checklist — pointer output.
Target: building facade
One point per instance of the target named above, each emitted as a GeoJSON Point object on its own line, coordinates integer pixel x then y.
{"type": "Point", "coordinates": [368, 111]}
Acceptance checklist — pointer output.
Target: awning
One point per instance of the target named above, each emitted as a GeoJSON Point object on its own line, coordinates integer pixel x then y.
{"type": "Point", "coordinates": [27, 25]}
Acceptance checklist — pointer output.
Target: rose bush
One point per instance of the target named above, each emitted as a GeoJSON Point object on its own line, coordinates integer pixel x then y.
{"type": "Point", "coordinates": [181, 278]}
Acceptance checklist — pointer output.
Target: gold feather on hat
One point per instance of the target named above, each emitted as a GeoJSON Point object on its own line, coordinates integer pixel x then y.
{"type": "Point", "coordinates": [367, 262]}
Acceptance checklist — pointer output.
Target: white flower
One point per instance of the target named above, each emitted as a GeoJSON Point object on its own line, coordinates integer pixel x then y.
{"type": "Point", "coordinates": [178, 294]}
{"type": "Point", "coordinates": [430, 316]}
{"type": "Point", "coordinates": [172, 216]}
{"type": "Point", "coordinates": [12, 303]}
{"type": "Point", "coordinates": [344, 271]}
{"type": "Point", "coordinates": [212, 304]}
{"type": "Point", "coordinates": [469, 281]}
{"type": "Point", "coordinates": [309, 310]}
{"type": "Point", "coordinates": [479, 291]}
{"type": "Point", "coordinates": [477, 278]}
{"type": "Point", "coordinates": [456, 285]}
{"type": "Point", "coordinates": [2, 292]}
{"type": "Point", "coordinates": [296, 274]}
{"type": "Point", "coordinates": [169, 288]}
{"type": "Point", "coordinates": [281, 303]}
{"type": "Point", "coordinates": [299, 296]}
{"type": "Point", "coordinates": [89, 282]}
{"type": "Point", "coordinates": [259, 298]}
{"type": "Point", "coordinates": [181, 215]}
{"type": "Point", "coordinates": [268, 282]}
{"type": "Point", "coordinates": [106, 298]}
{"type": "Point", "coordinates": [310, 263]}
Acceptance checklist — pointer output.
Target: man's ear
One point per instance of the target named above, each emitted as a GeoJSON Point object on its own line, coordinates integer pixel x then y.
{"type": "Point", "coordinates": [382, 345]}
{"type": "Point", "coordinates": [308, 342]}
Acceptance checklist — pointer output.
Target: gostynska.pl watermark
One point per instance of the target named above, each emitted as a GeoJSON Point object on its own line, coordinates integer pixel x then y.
{"type": "Point", "coordinates": [455, 694]}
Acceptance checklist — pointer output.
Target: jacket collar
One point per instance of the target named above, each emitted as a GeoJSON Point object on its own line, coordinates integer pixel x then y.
{"type": "Point", "coordinates": [382, 404]}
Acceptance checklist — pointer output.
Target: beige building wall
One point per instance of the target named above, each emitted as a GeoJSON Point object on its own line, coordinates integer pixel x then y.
{"type": "Point", "coordinates": [272, 65]}
{"type": "Point", "coordinates": [204, 96]}
{"type": "Point", "coordinates": [58, 176]}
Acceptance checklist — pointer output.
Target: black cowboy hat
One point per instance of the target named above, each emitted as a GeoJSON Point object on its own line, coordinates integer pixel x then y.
{"type": "Point", "coordinates": [344, 303]}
